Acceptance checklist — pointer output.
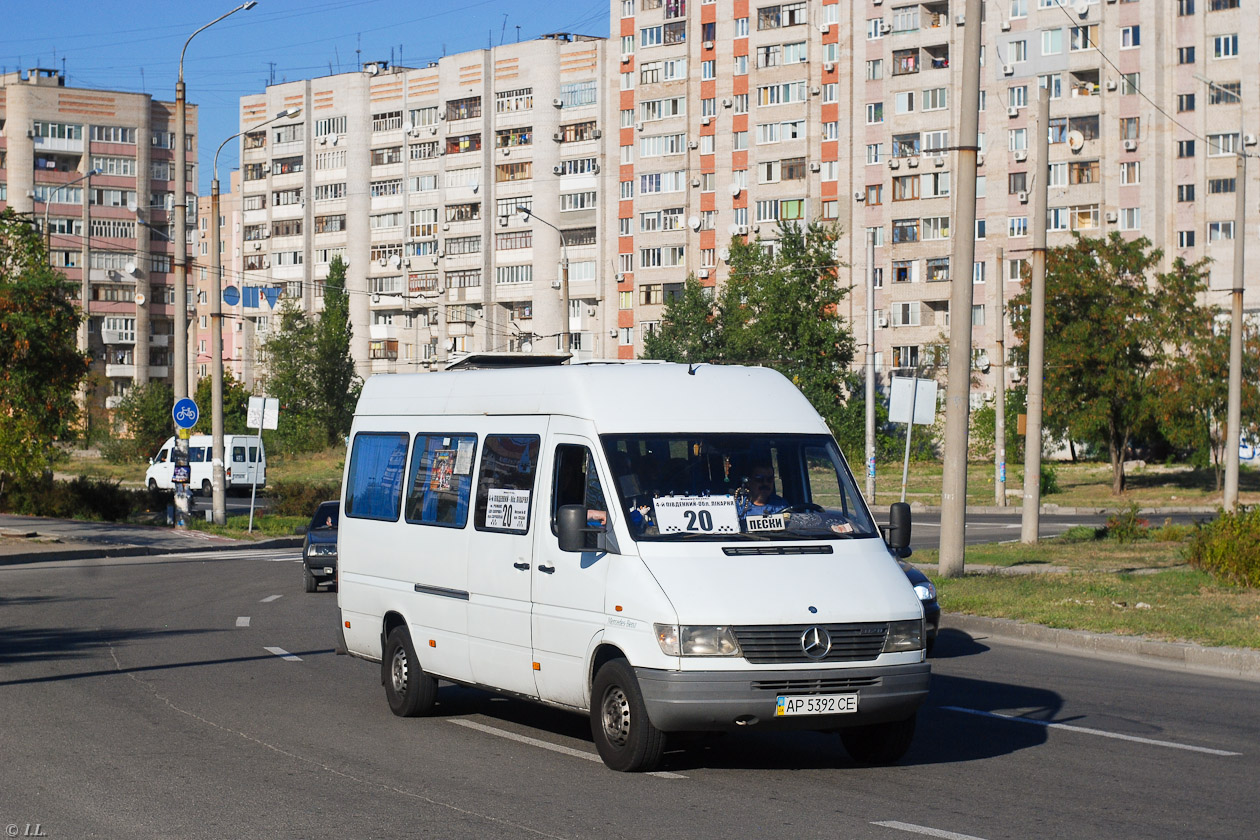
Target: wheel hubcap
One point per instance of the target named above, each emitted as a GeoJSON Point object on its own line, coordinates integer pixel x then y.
{"type": "Point", "coordinates": [398, 671]}
{"type": "Point", "coordinates": [616, 716]}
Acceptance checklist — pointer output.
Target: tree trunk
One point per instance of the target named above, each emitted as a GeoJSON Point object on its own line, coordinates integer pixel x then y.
{"type": "Point", "coordinates": [1117, 463]}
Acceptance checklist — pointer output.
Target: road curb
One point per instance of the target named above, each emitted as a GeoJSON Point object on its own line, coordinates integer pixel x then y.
{"type": "Point", "coordinates": [116, 551]}
{"type": "Point", "coordinates": [1017, 510]}
{"type": "Point", "coordinates": [1240, 663]}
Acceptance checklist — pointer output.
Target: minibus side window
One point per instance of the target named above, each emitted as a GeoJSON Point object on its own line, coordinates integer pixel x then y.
{"type": "Point", "coordinates": [238, 454]}
{"type": "Point", "coordinates": [197, 455]}
{"type": "Point", "coordinates": [441, 479]}
{"type": "Point", "coordinates": [577, 483]}
{"type": "Point", "coordinates": [375, 482]}
{"type": "Point", "coordinates": [505, 484]}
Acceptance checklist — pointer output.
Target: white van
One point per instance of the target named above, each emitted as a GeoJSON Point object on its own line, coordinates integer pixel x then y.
{"type": "Point", "coordinates": [243, 459]}
{"type": "Point", "coordinates": [662, 547]}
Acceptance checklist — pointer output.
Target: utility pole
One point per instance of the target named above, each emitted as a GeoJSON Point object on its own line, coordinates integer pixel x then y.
{"type": "Point", "coordinates": [958, 393]}
{"type": "Point", "coordinates": [1036, 324]}
{"type": "Point", "coordinates": [870, 367]}
{"type": "Point", "coordinates": [999, 390]}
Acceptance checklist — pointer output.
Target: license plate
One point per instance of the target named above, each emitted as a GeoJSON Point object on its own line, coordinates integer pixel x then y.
{"type": "Point", "coordinates": [817, 704]}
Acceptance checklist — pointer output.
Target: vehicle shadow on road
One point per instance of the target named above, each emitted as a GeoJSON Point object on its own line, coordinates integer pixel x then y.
{"type": "Point", "coordinates": [952, 643]}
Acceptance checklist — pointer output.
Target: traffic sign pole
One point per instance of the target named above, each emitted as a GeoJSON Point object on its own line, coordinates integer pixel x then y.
{"type": "Point", "coordinates": [185, 415]}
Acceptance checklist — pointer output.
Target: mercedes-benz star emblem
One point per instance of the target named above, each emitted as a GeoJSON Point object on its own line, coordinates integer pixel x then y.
{"type": "Point", "coordinates": [816, 642]}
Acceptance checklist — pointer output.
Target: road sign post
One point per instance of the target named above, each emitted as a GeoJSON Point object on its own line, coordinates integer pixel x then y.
{"type": "Point", "coordinates": [185, 415]}
{"type": "Point", "coordinates": [262, 413]}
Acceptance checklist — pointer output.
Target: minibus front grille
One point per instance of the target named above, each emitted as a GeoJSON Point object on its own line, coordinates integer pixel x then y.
{"type": "Point", "coordinates": [783, 644]}
{"type": "Point", "coordinates": [804, 686]}
{"type": "Point", "coordinates": [755, 550]}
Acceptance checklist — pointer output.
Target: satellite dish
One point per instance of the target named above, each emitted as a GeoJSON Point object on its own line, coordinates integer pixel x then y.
{"type": "Point", "coordinates": [1082, 7]}
{"type": "Point", "coordinates": [131, 205]}
{"type": "Point", "coordinates": [735, 188]}
{"type": "Point", "coordinates": [130, 268]}
{"type": "Point", "coordinates": [733, 229]}
{"type": "Point", "coordinates": [694, 222]}
{"type": "Point", "coordinates": [139, 299]}
{"type": "Point", "coordinates": [395, 260]}
{"type": "Point", "coordinates": [1076, 140]}
{"type": "Point", "coordinates": [725, 253]}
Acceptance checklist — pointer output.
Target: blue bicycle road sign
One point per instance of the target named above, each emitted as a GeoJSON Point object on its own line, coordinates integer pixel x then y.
{"type": "Point", "coordinates": [185, 413]}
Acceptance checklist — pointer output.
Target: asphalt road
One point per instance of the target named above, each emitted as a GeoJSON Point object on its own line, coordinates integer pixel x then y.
{"type": "Point", "coordinates": [198, 696]}
{"type": "Point", "coordinates": [1004, 527]}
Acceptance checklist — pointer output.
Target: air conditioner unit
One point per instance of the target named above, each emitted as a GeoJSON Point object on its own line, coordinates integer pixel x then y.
{"type": "Point", "coordinates": [1012, 111]}
{"type": "Point", "coordinates": [881, 321]}
{"type": "Point", "coordinates": [912, 162]}
{"type": "Point", "coordinates": [1006, 26]}
{"type": "Point", "coordinates": [742, 230]}
{"type": "Point", "coordinates": [555, 284]}
{"type": "Point", "coordinates": [693, 144]}
{"type": "Point", "coordinates": [703, 274]}
{"type": "Point", "coordinates": [885, 27]}
{"type": "Point", "coordinates": [1112, 215]}
{"type": "Point", "coordinates": [1021, 156]}
{"type": "Point", "coordinates": [824, 28]}
{"type": "Point", "coordinates": [1023, 196]}
{"type": "Point", "coordinates": [441, 115]}
{"type": "Point", "coordinates": [503, 221]}
{"type": "Point", "coordinates": [441, 252]}
{"type": "Point", "coordinates": [30, 133]}
{"type": "Point", "coordinates": [877, 2]}
{"type": "Point", "coordinates": [979, 160]}
{"type": "Point", "coordinates": [446, 226]}
{"type": "Point", "coordinates": [506, 151]}
{"type": "Point", "coordinates": [815, 90]}
{"type": "Point", "coordinates": [407, 262]}
{"type": "Point", "coordinates": [596, 134]}
{"type": "Point", "coordinates": [558, 102]}
{"type": "Point", "coordinates": [638, 126]}
{"type": "Point", "coordinates": [708, 45]}
{"type": "Point", "coordinates": [859, 195]}
{"type": "Point", "coordinates": [1130, 145]}
{"type": "Point", "coordinates": [625, 59]}
{"type": "Point", "coordinates": [558, 136]}
{"type": "Point", "coordinates": [961, 20]}
{"type": "Point", "coordinates": [323, 141]}
{"type": "Point", "coordinates": [415, 131]}
{"type": "Point", "coordinates": [1111, 84]}
{"type": "Point", "coordinates": [815, 167]}
{"type": "Point", "coordinates": [706, 120]}
{"type": "Point", "coordinates": [727, 102]}
{"type": "Point", "coordinates": [557, 169]}
{"type": "Point", "coordinates": [695, 182]}
{"type": "Point", "coordinates": [266, 263]}
{"type": "Point", "coordinates": [939, 160]}
{"type": "Point", "coordinates": [1008, 70]}
{"type": "Point", "coordinates": [383, 262]}
{"type": "Point", "coordinates": [1249, 139]}
{"type": "Point", "coordinates": [893, 163]}
{"type": "Point", "coordinates": [257, 246]}
{"type": "Point", "coordinates": [828, 66]}
{"type": "Point", "coordinates": [441, 152]}
{"type": "Point", "coordinates": [595, 169]}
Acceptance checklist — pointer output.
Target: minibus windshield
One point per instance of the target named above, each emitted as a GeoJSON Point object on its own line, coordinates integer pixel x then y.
{"type": "Point", "coordinates": [735, 487]}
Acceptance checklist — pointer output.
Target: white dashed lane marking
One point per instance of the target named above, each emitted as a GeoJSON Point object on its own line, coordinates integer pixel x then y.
{"type": "Point", "coordinates": [242, 621]}
{"type": "Point", "coordinates": [283, 654]}
{"type": "Point", "coordinates": [534, 742]}
{"type": "Point", "coordinates": [271, 598]}
{"type": "Point", "coordinates": [922, 829]}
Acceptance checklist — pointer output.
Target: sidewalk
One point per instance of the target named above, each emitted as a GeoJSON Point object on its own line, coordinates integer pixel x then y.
{"type": "Point", "coordinates": [34, 539]}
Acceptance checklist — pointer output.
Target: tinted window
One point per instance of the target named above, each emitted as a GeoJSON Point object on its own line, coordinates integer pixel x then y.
{"type": "Point", "coordinates": [196, 454]}
{"type": "Point", "coordinates": [505, 485]}
{"type": "Point", "coordinates": [374, 485]}
{"type": "Point", "coordinates": [441, 479]}
{"type": "Point", "coordinates": [238, 454]}
{"type": "Point", "coordinates": [326, 516]}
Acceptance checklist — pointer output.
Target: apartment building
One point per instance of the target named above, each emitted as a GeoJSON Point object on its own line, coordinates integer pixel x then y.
{"type": "Point", "coordinates": [416, 178]}
{"type": "Point", "coordinates": [735, 114]}
{"type": "Point", "coordinates": [117, 223]}
{"type": "Point", "coordinates": [238, 336]}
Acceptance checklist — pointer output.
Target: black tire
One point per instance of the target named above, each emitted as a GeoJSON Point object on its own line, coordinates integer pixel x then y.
{"type": "Point", "coordinates": [410, 691]}
{"type": "Point", "coordinates": [309, 579]}
{"type": "Point", "coordinates": [153, 485]}
{"type": "Point", "coordinates": [624, 736]}
{"type": "Point", "coordinates": [207, 489]}
{"type": "Point", "coordinates": [879, 743]}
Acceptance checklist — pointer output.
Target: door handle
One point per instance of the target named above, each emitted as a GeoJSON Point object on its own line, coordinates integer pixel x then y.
{"type": "Point", "coordinates": [522, 566]}
{"type": "Point", "coordinates": [546, 569]}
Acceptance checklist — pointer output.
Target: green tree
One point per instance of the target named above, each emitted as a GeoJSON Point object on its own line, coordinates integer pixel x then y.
{"type": "Point", "coordinates": [235, 405]}
{"type": "Point", "coordinates": [688, 331]}
{"type": "Point", "coordinates": [144, 414]}
{"type": "Point", "coordinates": [41, 367]}
{"type": "Point", "coordinates": [1109, 324]}
{"type": "Point", "coordinates": [311, 370]}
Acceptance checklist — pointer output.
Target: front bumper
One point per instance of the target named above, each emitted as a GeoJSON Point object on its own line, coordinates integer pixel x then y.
{"type": "Point", "coordinates": [682, 701]}
{"type": "Point", "coordinates": [322, 566]}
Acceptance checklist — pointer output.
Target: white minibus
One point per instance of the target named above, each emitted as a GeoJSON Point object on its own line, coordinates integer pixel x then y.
{"type": "Point", "coordinates": [244, 459]}
{"type": "Point", "coordinates": [664, 548]}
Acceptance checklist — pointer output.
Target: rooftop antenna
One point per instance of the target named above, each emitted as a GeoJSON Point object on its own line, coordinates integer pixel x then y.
{"type": "Point", "coordinates": [143, 89]}
{"type": "Point", "coordinates": [337, 56]}
{"type": "Point", "coordinates": [518, 33]}
{"type": "Point", "coordinates": [503, 30]}
{"type": "Point", "coordinates": [358, 51]}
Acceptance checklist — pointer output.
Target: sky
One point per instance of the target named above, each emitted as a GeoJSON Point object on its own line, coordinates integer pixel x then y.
{"type": "Point", "coordinates": [134, 46]}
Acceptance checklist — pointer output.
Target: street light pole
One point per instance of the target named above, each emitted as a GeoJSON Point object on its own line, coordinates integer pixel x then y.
{"type": "Point", "coordinates": [217, 477]}
{"type": "Point", "coordinates": [565, 343]}
{"type": "Point", "coordinates": [1233, 421]}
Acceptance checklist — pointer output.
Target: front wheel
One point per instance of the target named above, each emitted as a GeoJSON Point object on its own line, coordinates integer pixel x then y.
{"type": "Point", "coordinates": [206, 487]}
{"type": "Point", "coordinates": [879, 743]}
{"type": "Point", "coordinates": [153, 485]}
{"type": "Point", "coordinates": [624, 736]}
{"type": "Point", "coordinates": [309, 579]}
{"type": "Point", "coordinates": [410, 691]}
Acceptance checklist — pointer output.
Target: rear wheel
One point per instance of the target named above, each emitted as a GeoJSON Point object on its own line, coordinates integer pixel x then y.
{"type": "Point", "coordinates": [410, 691]}
{"type": "Point", "coordinates": [206, 487]}
{"type": "Point", "coordinates": [879, 743]}
{"type": "Point", "coordinates": [624, 736]}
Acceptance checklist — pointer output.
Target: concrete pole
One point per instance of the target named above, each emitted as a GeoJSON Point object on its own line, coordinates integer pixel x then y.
{"type": "Point", "coordinates": [1233, 424]}
{"type": "Point", "coordinates": [217, 477]}
{"type": "Point", "coordinates": [1036, 324]}
{"type": "Point", "coordinates": [870, 368]}
{"type": "Point", "coordinates": [958, 393]}
{"type": "Point", "coordinates": [179, 340]}
{"type": "Point", "coordinates": [999, 390]}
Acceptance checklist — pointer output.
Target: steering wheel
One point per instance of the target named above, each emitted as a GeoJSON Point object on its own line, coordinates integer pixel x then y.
{"type": "Point", "coordinates": [805, 507]}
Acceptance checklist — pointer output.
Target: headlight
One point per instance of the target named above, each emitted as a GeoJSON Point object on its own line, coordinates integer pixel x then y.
{"type": "Point", "coordinates": [322, 550]}
{"type": "Point", "coordinates": [925, 591]}
{"type": "Point", "coordinates": [904, 635]}
{"type": "Point", "coordinates": [696, 640]}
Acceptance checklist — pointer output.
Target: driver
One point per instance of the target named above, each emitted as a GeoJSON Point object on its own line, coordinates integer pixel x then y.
{"type": "Point", "coordinates": [761, 499]}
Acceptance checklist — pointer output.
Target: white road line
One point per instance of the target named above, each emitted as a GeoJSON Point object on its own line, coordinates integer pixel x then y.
{"type": "Point", "coordinates": [270, 598]}
{"type": "Point", "coordinates": [285, 559]}
{"type": "Point", "coordinates": [242, 621]}
{"type": "Point", "coordinates": [534, 742]}
{"type": "Point", "coordinates": [283, 654]}
{"type": "Point", "coordinates": [1088, 731]}
{"type": "Point", "coordinates": [922, 829]}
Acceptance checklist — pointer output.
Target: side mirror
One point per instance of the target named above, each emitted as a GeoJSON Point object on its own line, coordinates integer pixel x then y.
{"type": "Point", "coordinates": [572, 528]}
{"type": "Point", "coordinates": [301, 530]}
{"type": "Point", "coordinates": [899, 528]}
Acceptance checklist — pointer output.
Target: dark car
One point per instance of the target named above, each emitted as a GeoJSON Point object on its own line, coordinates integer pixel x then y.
{"type": "Point", "coordinates": [926, 591]}
{"type": "Point", "coordinates": [319, 549]}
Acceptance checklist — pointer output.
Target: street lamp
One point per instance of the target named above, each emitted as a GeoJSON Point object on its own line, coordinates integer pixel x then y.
{"type": "Point", "coordinates": [564, 274]}
{"type": "Point", "coordinates": [48, 206]}
{"type": "Point", "coordinates": [85, 281]}
{"type": "Point", "coordinates": [1233, 423]}
{"type": "Point", "coordinates": [181, 217]}
{"type": "Point", "coordinates": [217, 478]}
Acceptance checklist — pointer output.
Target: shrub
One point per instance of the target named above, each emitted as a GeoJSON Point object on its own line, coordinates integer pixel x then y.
{"type": "Point", "coordinates": [1229, 547]}
{"type": "Point", "coordinates": [1082, 533]}
{"type": "Point", "coordinates": [300, 498]}
{"type": "Point", "coordinates": [79, 498]}
{"type": "Point", "coordinates": [1127, 526]}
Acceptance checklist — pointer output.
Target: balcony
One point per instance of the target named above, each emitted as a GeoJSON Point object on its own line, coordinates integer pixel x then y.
{"type": "Point", "coordinates": [121, 371]}
{"type": "Point", "coordinates": [118, 336]}
{"type": "Point", "coordinates": [159, 341]}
